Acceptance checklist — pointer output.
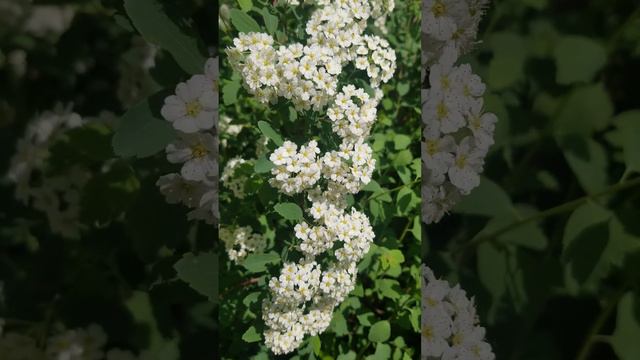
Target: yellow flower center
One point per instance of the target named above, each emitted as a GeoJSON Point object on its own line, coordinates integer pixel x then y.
{"type": "Point", "coordinates": [199, 151]}
{"type": "Point", "coordinates": [442, 111]}
{"type": "Point", "coordinates": [432, 147]}
{"type": "Point", "coordinates": [461, 161]}
{"type": "Point", "coordinates": [444, 81]}
{"type": "Point", "coordinates": [427, 332]}
{"type": "Point", "coordinates": [438, 9]}
{"type": "Point", "coordinates": [194, 108]}
{"type": "Point", "coordinates": [456, 339]}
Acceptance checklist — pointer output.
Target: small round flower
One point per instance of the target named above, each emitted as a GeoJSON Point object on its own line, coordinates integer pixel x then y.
{"type": "Point", "coordinates": [193, 107]}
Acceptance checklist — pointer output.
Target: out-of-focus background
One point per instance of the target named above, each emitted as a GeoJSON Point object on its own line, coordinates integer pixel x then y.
{"type": "Point", "coordinates": [549, 244]}
{"type": "Point", "coordinates": [85, 235]}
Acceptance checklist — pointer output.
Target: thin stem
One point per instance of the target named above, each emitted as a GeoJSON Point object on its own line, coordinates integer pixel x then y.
{"type": "Point", "coordinates": [377, 195]}
{"type": "Point", "coordinates": [585, 350]}
{"type": "Point", "coordinates": [566, 207]}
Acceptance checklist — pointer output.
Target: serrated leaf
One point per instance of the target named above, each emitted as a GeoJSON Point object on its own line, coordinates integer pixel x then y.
{"type": "Point", "coordinates": [151, 20]}
{"type": "Point", "coordinates": [243, 22]}
{"type": "Point", "coordinates": [268, 131]}
{"type": "Point", "coordinates": [380, 331]}
{"type": "Point", "coordinates": [289, 211]}
{"type": "Point", "coordinates": [200, 272]}
{"type": "Point", "coordinates": [140, 133]}
{"type": "Point", "coordinates": [594, 243]}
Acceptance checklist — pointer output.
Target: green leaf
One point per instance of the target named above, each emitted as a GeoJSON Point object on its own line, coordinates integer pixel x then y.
{"type": "Point", "coordinates": [594, 243]}
{"type": "Point", "coordinates": [587, 109]}
{"type": "Point", "coordinates": [140, 133]}
{"type": "Point", "coordinates": [507, 66]}
{"type": "Point", "coordinates": [383, 352]}
{"type": "Point", "coordinates": [268, 131]}
{"type": "Point", "coordinates": [402, 158]}
{"type": "Point", "coordinates": [200, 272]}
{"type": "Point", "coordinates": [628, 124]}
{"type": "Point", "coordinates": [625, 337]}
{"type": "Point", "coordinates": [263, 165]}
{"type": "Point", "coordinates": [339, 324]}
{"type": "Point", "coordinates": [492, 272]}
{"type": "Point", "coordinates": [578, 59]}
{"type": "Point", "coordinates": [316, 344]}
{"type": "Point", "coordinates": [588, 160]}
{"type": "Point", "coordinates": [401, 142]}
{"type": "Point", "coordinates": [243, 22]}
{"type": "Point", "coordinates": [270, 21]}
{"type": "Point", "coordinates": [365, 319]}
{"type": "Point", "coordinates": [151, 20]}
{"type": "Point", "coordinates": [348, 356]}
{"type": "Point", "coordinates": [488, 199]}
{"type": "Point", "coordinates": [251, 335]}
{"type": "Point", "coordinates": [256, 263]}
{"type": "Point", "coordinates": [289, 211]}
{"type": "Point", "coordinates": [403, 88]}
{"type": "Point", "coordinates": [245, 5]}
{"type": "Point", "coordinates": [380, 331]}
{"type": "Point", "coordinates": [230, 92]}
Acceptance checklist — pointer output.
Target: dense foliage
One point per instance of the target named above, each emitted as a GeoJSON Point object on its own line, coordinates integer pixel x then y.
{"type": "Point", "coordinates": [380, 318]}
{"type": "Point", "coordinates": [549, 242]}
{"type": "Point", "coordinates": [133, 266]}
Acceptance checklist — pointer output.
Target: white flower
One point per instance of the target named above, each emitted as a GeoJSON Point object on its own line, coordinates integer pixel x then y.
{"type": "Point", "coordinates": [193, 107]}
{"type": "Point", "coordinates": [196, 153]}
{"type": "Point", "coordinates": [450, 327]}
{"type": "Point", "coordinates": [466, 166]}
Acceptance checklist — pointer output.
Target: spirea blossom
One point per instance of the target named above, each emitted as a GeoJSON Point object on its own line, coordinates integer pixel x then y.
{"type": "Point", "coordinates": [332, 238]}
{"type": "Point", "coordinates": [241, 241]}
{"type": "Point", "coordinates": [72, 344]}
{"type": "Point", "coordinates": [193, 112]}
{"type": "Point", "coordinates": [450, 327]}
{"type": "Point", "coordinates": [457, 131]}
{"type": "Point", "coordinates": [58, 196]}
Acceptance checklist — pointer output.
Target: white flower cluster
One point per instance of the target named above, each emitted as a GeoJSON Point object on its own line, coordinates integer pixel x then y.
{"type": "Point", "coordinates": [76, 344]}
{"type": "Point", "coordinates": [457, 133]}
{"type": "Point", "coordinates": [193, 112]}
{"type": "Point", "coordinates": [450, 329]}
{"type": "Point", "coordinates": [233, 181]}
{"type": "Point", "coordinates": [58, 196]}
{"type": "Point", "coordinates": [307, 75]}
{"type": "Point", "coordinates": [241, 241]}
{"type": "Point", "coordinates": [304, 295]}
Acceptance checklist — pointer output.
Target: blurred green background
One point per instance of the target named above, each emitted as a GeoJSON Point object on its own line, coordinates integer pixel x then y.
{"type": "Point", "coordinates": [550, 241]}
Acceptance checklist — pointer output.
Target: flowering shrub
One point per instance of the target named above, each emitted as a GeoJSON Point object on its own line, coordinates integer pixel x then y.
{"type": "Point", "coordinates": [317, 179]}
{"type": "Point", "coordinates": [546, 241]}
